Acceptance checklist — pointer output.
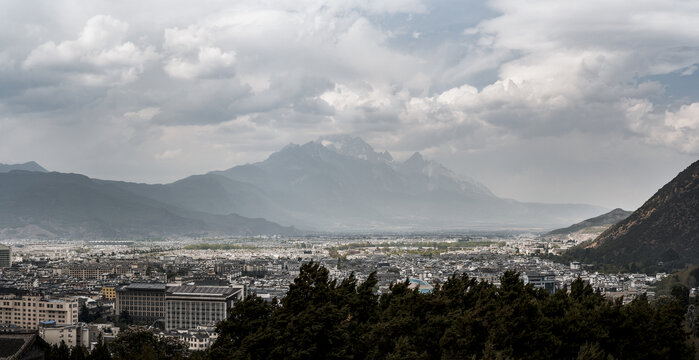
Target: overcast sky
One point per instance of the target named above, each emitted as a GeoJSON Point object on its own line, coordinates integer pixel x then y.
{"type": "Point", "coordinates": [553, 101]}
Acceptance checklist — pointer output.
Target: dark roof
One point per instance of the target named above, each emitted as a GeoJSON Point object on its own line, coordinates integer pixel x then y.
{"type": "Point", "coordinates": [14, 344]}
{"type": "Point", "coordinates": [10, 346]}
{"type": "Point", "coordinates": [201, 290]}
{"type": "Point", "coordinates": [143, 287]}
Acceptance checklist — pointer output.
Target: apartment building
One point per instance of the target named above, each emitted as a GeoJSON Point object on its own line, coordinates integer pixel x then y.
{"type": "Point", "coordinates": [5, 256]}
{"type": "Point", "coordinates": [27, 311]}
{"type": "Point", "coordinates": [144, 303]}
{"type": "Point", "coordinates": [73, 335]}
{"type": "Point", "coordinates": [190, 306]}
{"type": "Point", "coordinates": [92, 271]}
{"type": "Point", "coordinates": [108, 292]}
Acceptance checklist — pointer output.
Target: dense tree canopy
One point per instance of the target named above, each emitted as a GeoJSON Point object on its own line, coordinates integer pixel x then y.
{"type": "Point", "coordinates": [321, 318]}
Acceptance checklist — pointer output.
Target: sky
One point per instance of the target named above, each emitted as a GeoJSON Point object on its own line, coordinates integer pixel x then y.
{"type": "Point", "coordinates": [552, 101]}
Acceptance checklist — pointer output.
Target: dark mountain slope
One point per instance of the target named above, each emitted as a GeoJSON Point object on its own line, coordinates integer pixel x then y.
{"type": "Point", "coordinates": [70, 205]}
{"type": "Point", "coordinates": [665, 228]}
{"type": "Point", "coordinates": [604, 220]}
{"type": "Point", "coordinates": [210, 193]}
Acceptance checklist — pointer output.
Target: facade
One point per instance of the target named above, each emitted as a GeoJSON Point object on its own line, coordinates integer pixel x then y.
{"type": "Point", "coordinates": [5, 256]}
{"type": "Point", "coordinates": [190, 306]}
{"type": "Point", "coordinates": [541, 281]}
{"type": "Point", "coordinates": [143, 302]}
{"type": "Point", "coordinates": [87, 271]}
{"type": "Point", "coordinates": [108, 292]}
{"type": "Point", "coordinates": [72, 335]}
{"type": "Point", "coordinates": [27, 311]}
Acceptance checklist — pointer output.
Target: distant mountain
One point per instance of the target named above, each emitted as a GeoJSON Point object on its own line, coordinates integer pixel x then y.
{"type": "Point", "coordinates": [665, 229]}
{"type": "Point", "coordinates": [337, 183]}
{"type": "Point", "coordinates": [595, 224]}
{"type": "Point", "coordinates": [342, 183]}
{"type": "Point", "coordinates": [49, 205]}
{"type": "Point", "coordinates": [28, 166]}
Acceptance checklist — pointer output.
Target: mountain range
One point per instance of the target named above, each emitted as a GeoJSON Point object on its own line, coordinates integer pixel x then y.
{"type": "Point", "coordinates": [57, 205]}
{"type": "Point", "coordinates": [337, 183]}
{"type": "Point", "coordinates": [665, 229]}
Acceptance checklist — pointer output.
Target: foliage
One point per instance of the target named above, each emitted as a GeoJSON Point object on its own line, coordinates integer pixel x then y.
{"type": "Point", "coordinates": [87, 316]}
{"type": "Point", "coordinates": [143, 344]}
{"type": "Point", "coordinates": [321, 318]}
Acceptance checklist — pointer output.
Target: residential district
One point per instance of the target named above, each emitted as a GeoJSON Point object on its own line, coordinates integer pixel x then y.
{"type": "Point", "coordinates": [84, 292]}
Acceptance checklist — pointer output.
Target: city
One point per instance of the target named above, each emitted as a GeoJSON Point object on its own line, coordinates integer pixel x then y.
{"type": "Point", "coordinates": [83, 292]}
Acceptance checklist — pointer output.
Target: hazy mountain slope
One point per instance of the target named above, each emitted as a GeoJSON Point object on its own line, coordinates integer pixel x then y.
{"type": "Point", "coordinates": [28, 166]}
{"type": "Point", "coordinates": [665, 228]}
{"type": "Point", "coordinates": [70, 205]}
{"type": "Point", "coordinates": [212, 194]}
{"type": "Point", "coordinates": [594, 224]}
{"type": "Point", "coordinates": [341, 183]}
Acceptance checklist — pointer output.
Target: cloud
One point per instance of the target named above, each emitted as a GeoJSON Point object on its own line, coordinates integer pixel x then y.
{"type": "Point", "coordinates": [211, 62]}
{"type": "Point", "coordinates": [224, 83]}
{"type": "Point", "coordinates": [100, 56]}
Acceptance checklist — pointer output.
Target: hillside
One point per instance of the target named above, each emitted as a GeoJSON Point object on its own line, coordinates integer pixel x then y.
{"type": "Point", "coordinates": [50, 205]}
{"type": "Point", "coordinates": [595, 224]}
{"type": "Point", "coordinates": [28, 166]}
{"type": "Point", "coordinates": [665, 229]}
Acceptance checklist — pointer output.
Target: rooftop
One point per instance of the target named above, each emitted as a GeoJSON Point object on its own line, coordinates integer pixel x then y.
{"type": "Point", "coordinates": [201, 290]}
{"type": "Point", "coordinates": [144, 286]}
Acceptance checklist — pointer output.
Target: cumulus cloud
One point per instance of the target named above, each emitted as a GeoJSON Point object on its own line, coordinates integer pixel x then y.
{"type": "Point", "coordinates": [99, 56]}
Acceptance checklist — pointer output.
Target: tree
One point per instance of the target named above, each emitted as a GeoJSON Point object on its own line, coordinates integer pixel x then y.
{"type": "Point", "coordinates": [143, 344]}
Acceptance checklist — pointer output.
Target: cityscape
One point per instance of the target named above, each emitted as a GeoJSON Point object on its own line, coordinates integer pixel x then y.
{"type": "Point", "coordinates": [182, 289]}
{"type": "Point", "coordinates": [349, 180]}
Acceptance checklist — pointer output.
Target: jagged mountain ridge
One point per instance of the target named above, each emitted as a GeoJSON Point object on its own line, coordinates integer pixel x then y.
{"type": "Point", "coordinates": [664, 229]}
{"type": "Point", "coordinates": [341, 183]}
{"type": "Point", "coordinates": [337, 184]}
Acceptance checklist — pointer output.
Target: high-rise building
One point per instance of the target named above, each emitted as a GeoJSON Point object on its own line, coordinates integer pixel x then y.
{"type": "Point", "coordinates": [143, 302]}
{"type": "Point", "coordinates": [192, 306]}
{"type": "Point", "coordinates": [5, 256]}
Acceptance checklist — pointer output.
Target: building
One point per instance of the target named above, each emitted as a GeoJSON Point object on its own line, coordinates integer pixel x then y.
{"type": "Point", "coordinates": [196, 340]}
{"type": "Point", "coordinates": [190, 306]}
{"type": "Point", "coordinates": [108, 292]}
{"type": "Point", "coordinates": [105, 332]}
{"type": "Point", "coordinates": [541, 281]}
{"type": "Point", "coordinates": [27, 311]}
{"type": "Point", "coordinates": [90, 271]}
{"type": "Point", "coordinates": [73, 335]}
{"type": "Point", "coordinates": [5, 256]}
{"type": "Point", "coordinates": [143, 302]}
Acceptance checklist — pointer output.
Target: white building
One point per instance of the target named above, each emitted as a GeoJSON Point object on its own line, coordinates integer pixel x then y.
{"type": "Point", "coordinates": [27, 311]}
{"type": "Point", "coordinates": [72, 335]}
